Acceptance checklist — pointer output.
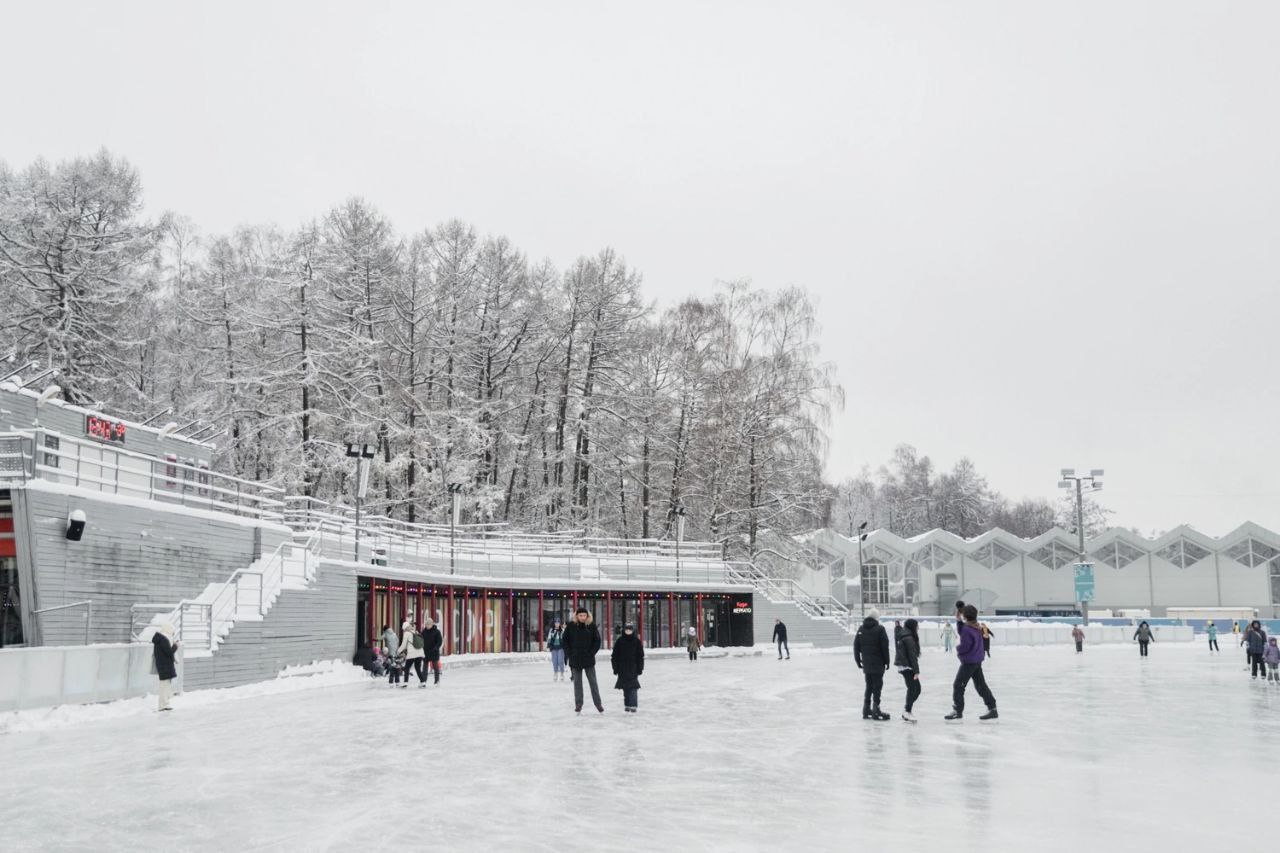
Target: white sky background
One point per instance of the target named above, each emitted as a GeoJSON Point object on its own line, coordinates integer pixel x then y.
{"type": "Point", "coordinates": [1041, 235]}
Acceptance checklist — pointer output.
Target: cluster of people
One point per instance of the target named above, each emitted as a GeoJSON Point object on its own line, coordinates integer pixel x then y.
{"type": "Point", "coordinates": [871, 654]}
{"type": "Point", "coordinates": [577, 644]}
{"type": "Point", "coordinates": [415, 650]}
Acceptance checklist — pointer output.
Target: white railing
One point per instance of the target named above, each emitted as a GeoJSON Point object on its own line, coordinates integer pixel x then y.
{"type": "Point", "coordinates": [58, 458]}
{"type": "Point", "coordinates": [785, 590]}
{"type": "Point", "coordinates": [249, 591]}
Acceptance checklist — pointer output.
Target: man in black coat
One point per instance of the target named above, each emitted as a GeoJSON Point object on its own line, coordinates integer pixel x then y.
{"type": "Point", "coordinates": [165, 648]}
{"type": "Point", "coordinates": [581, 642]}
{"type": "Point", "coordinates": [628, 665]}
{"type": "Point", "coordinates": [871, 654]}
{"type": "Point", "coordinates": [780, 637]}
{"type": "Point", "coordinates": [432, 643]}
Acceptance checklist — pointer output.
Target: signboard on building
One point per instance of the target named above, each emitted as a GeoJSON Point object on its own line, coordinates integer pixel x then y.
{"type": "Point", "coordinates": [1084, 582]}
{"type": "Point", "coordinates": [742, 607]}
{"type": "Point", "coordinates": [104, 429]}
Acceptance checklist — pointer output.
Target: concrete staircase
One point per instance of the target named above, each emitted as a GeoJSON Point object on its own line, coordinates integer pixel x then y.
{"type": "Point", "coordinates": [822, 632]}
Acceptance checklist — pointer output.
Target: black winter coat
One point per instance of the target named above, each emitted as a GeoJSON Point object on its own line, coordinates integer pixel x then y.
{"type": "Point", "coordinates": [628, 662]}
{"type": "Point", "coordinates": [432, 642]}
{"type": "Point", "coordinates": [871, 646]}
{"type": "Point", "coordinates": [581, 642]}
{"type": "Point", "coordinates": [908, 651]}
{"type": "Point", "coordinates": [780, 631]}
{"type": "Point", "coordinates": [164, 652]}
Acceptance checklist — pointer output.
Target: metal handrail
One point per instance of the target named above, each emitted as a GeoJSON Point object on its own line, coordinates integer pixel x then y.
{"type": "Point", "coordinates": [88, 616]}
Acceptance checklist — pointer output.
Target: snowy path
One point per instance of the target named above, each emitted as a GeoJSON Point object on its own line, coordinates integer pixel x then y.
{"type": "Point", "coordinates": [1103, 751]}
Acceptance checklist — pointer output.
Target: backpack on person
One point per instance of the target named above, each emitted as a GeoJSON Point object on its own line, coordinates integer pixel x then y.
{"type": "Point", "coordinates": [417, 641]}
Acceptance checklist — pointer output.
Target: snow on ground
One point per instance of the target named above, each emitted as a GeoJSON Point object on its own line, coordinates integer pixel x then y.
{"type": "Point", "coordinates": [1099, 751]}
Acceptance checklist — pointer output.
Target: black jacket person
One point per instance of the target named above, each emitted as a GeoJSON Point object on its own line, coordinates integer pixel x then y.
{"type": "Point", "coordinates": [871, 654]}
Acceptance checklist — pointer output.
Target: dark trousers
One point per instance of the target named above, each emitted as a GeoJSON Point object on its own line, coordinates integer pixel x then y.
{"type": "Point", "coordinates": [412, 666]}
{"type": "Point", "coordinates": [1256, 666]}
{"type": "Point", "coordinates": [434, 665]}
{"type": "Point", "coordinates": [1142, 647]}
{"type": "Point", "coordinates": [782, 644]}
{"type": "Point", "coordinates": [631, 697]}
{"type": "Point", "coordinates": [913, 688]}
{"type": "Point", "coordinates": [693, 654]}
{"type": "Point", "coordinates": [971, 672]}
{"type": "Point", "coordinates": [986, 646]}
{"type": "Point", "coordinates": [1213, 645]}
{"type": "Point", "coordinates": [1079, 645]}
{"type": "Point", "coordinates": [577, 686]}
{"type": "Point", "coordinates": [875, 684]}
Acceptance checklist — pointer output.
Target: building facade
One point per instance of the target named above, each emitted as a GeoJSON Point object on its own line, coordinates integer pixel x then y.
{"type": "Point", "coordinates": [1182, 568]}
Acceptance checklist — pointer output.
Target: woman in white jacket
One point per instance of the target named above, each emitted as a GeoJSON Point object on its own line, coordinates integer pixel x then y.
{"type": "Point", "coordinates": [411, 648]}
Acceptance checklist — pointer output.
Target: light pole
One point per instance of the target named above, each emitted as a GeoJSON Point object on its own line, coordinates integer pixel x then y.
{"type": "Point", "coordinates": [455, 494]}
{"type": "Point", "coordinates": [1094, 478]}
{"type": "Point", "coordinates": [678, 512]}
{"type": "Point", "coordinates": [360, 452]}
{"type": "Point", "coordinates": [862, 572]}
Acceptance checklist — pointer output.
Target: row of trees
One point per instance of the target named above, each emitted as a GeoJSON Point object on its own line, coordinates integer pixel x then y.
{"type": "Point", "coordinates": [909, 496]}
{"type": "Point", "coordinates": [559, 398]}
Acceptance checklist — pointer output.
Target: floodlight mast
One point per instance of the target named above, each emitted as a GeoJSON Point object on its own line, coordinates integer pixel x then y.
{"type": "Point", "coordinates": [1068, 478]}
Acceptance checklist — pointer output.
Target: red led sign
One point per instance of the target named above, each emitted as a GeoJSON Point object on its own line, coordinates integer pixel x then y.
{"type": "Point", "coordinates": [104, 429]}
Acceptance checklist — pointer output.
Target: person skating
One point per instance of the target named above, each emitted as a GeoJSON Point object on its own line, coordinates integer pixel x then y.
{"type": "Point", "coordinates": [164, 650]}
{"type": "Point", "coordinates": [987, 634]}
{"type": "Point", "coordinates": [628, 665]}
{"type": "Point", "coordinates": [1077, 634]}
{"type": "Point", "coordinates": [691, 643]}
{"type": "Point", "coordinates": [1145, 637]}
{"type": "Point", "coordinates": [780, 637]}
{"type": "Point", "coordinates": [1271, 657]}
{"type": "Point", "coordinates": [1212, 630]}
{"type": "Point", "coordinates": [581, 642]}
{"type": "Point", "coordinates": [432, 644]}
{"type": "Point", "coordinates": [907, 659]}
{"type": "Point", "coordinates": [390, 645]}
{"type": "Point", "coordinates": [971, 655]}
{"type": "Point", "coordinates": [412, 650]}
{"type": "Point", "coordinates": [948, 635]}
{"type": "Point", "coordinates": [871, 654]}
{"type": "Point", "coordinates": [1255, 640]}
{"type": "Point", "coordinates": [555, 642]}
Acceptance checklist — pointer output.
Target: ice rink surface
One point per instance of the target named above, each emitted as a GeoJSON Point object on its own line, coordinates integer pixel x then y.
{"type": "Point", "coordinates": [1102, 751]}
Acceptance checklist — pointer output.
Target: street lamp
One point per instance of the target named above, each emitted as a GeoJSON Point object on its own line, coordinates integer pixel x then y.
{"type": "Point", "coordinates": [677, 512]}
{"type": "Point", "coordinates": [455, 495]}
{"type": "Point", "coordinates": [1067, 476]}
{"type": "Point", "coordinates": [360, 452]}
{"type": "Point", "coordinates": [862, 572]}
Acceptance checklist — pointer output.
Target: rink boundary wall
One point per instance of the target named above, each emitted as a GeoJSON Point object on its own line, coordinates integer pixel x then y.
{"type": "Point", "coordinates": [43, 676]}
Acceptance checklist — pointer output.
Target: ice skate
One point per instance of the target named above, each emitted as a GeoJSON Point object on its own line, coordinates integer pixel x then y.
{"type": "Point", "coordinates": [908, 717]}
{"type": "Point", "coordinates": [954, 716]}
{"type": "Point", "coordinates": [991, 714]}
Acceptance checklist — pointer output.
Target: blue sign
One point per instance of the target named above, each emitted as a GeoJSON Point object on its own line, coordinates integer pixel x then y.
{"type": "Point", "coordinates": [1084, 582]}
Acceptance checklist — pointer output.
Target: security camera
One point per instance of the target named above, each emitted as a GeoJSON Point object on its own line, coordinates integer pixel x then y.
{"type": "Point", "coordinates": [75, 524]}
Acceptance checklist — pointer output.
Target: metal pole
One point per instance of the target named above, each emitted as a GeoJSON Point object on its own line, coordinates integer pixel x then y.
{"type": "Point", "coordinates": [359, 464]}
{"type": "Point", "coordinates": [1084, 605]}
{"type": "Point", "coordinates": [862, 579]}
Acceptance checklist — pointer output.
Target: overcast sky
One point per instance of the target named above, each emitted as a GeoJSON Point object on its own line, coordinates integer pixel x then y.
{"type": "Point", "coordinates": [1041, 235]}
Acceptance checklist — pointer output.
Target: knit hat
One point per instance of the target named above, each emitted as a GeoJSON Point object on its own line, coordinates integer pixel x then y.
{"type": "Point", "coordinates": [628, 627]}
{"type": "Point", "coordinates": [873, 614]}
{"type": "Point", "coordinates": [582, 610]}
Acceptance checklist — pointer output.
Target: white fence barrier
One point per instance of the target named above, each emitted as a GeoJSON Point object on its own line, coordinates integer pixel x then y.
{"type": "Point", "coordinates": [1058, 635]}
{"type": "Point", "coordinates": [42, 676]}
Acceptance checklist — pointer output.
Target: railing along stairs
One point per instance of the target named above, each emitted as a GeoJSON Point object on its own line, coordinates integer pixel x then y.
{"type": "Point", "coordinates": [203, 622]}
{"type": "Point", "coordinates": [787, 591]}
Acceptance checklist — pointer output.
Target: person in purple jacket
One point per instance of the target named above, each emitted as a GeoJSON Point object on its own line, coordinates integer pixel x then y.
{"type": "Point", "coordinates": [971, 654]}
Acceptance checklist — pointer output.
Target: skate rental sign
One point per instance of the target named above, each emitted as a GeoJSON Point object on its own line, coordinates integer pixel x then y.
{"type": "Point", "coordinates": [1084, 582]}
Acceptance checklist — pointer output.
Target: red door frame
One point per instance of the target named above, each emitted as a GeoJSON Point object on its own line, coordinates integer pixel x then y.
{"type": "Point", "coordinates": [373, 612]}
{"type": "Point", "coordinates": [671, 618]}
{"type": "Point", "coordinates": [511, 620]}
{"type": "Point", "coordinates": [698, 618]}
{"type": "Point", "coordinates": [640, 619]}
{"type": "Point", "coordinates": [453, 639]}
{"type": "Point", "coordinates": [608, 618]}
{"type": "Point", "coordinates": [541, 629]}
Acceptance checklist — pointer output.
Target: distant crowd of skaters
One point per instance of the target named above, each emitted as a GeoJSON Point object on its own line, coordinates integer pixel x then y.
{"type": "Point", "coordinates": [417, 649]}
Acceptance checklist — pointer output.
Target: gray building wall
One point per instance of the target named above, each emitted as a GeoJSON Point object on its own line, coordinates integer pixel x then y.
{"type": "Point", "coordinates": [304, 626]}
{"type": "Point", "coordinates": [131, 553]}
